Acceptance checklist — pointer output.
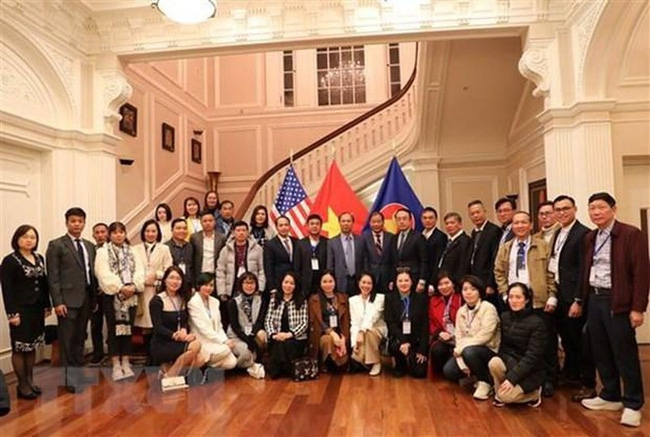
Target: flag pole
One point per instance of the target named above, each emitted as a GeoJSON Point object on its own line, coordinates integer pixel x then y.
{"type": "Point", "coordinates": [291, 157]}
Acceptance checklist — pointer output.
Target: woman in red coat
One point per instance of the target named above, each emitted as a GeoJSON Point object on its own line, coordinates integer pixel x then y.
{"type": "Point", "coordinates": [442, 318]}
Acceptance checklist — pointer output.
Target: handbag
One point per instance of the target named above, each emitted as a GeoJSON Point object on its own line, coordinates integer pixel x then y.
{"type": "Point", "coordinates": [304, 369]}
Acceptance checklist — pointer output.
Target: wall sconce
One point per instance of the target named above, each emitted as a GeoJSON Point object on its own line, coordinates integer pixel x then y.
{"type": "Point", "coordinates": [126, 161]}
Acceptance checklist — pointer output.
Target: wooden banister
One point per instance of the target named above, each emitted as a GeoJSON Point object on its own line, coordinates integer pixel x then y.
{"type": "Point", "coordinates": [248, 200]}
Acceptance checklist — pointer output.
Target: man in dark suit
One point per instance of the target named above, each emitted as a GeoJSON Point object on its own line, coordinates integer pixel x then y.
{"type": "Point", "coordinates": [278, 254]}
{"type": "Point", "coordinates": [615, 285]}
{"type": "Point", "coordinates": [436, 242]}
{"type": "Point", "coordinates": [100, 235]}
{"type": "Point", "coordinates": [182, 251]}
{"type": "Point", "coordinates": [207, 244]}
{"type": "Point", "coordinates": [71, 278]}
{"type": "Point", "coordinates": [375, 253]}
{"type": "Point", "coordinates": [457, 256]}
{"type": "Point", "coordinates": [409, 250]}
{"type": "Point", "coordinates": [485, 245]}
{"type": "Point", "coordinates": [506, 208]}
{"type": "Point", "coordinates": [566, 263]}
{"type": "Point", "coordinates": [344, 255]}
{"type": "Point", "coordinates": [310, 259]}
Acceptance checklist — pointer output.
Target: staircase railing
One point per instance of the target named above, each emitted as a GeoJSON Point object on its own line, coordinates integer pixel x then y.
{"type": "Point", "coordinates": [352, 140]}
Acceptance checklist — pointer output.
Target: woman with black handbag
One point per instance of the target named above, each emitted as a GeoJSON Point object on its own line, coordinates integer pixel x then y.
{"type": "Point", "coordinates": [286, 326]}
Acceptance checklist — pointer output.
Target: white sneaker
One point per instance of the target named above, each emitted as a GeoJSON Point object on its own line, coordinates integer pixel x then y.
{"type": "Point", "coordinates": [375, 370]}
{"type": "Point", "coordinates": [117, 373]}
{"type": "Point", "coordinates": [599, 403]}
{"type": "Point", "coordinates": [631, 417]}
{"type": "Point", "coordinates": [256, 371]}
{"type": "Point", "coordinates": [127, 370]}
{"type": "Point", "coordinates": [483, 391]}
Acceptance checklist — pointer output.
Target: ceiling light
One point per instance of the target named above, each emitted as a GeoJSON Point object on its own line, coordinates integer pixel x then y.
{"type": "Point", "coordinates": [186, 11]}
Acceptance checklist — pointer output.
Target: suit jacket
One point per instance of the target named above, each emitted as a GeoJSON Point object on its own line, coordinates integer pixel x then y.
{"type": "Point", "coordinates": [336, 260]}
{"type": "Point", "coordinates": [378, 265]}
{"type": "Point", "coordinates": [317, 325]}
{"type": "Point", "coordinates": [366, 316]}
{"type": "Point", "coordinates": [302, 264]}
{"type": "Point", "coordinates": [570, 261]}
{"type": "Point", "coordinates": [418, 315]}
{"type": "Point", "coordinates": [277, 262]}
{"type": "Point", "coordinates": [413, 255]}
{"type": "Point", "coordinates": [66, 275]}
{"type": "Point", "coordinates": [456, 259]}
{"type": "Point", "coordinates": [485, 252]}
{"type": "Point", "coordinates": [436, 244]}
{"type": "Point", "coordinates": [196, 240]}
{"type": "Point", "coordinates": [630, 272]}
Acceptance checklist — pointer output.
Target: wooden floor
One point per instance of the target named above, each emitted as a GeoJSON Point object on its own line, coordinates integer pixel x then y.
{"type": "Point", "coordinates": [334, 405]}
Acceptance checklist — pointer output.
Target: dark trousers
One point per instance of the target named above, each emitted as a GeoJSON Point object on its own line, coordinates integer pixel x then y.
{"type": "Point", "coordinates": [439, 355]}
{"type": "Point", "coordinates": [352, 288]}
{"type": "Point", "coordinates": [118, 345]}
{"type": "Point", "coordinates": [407, 363]}
{"type": "Point", "coordinates": [616, 353]}
{"type": "Point", "coordinates": [476, 358]}
{"type": "Point", "coordinates": [551, 363]}
{"type": "Point", "coordinates": [281, 355]}
{"type": "Point", "coordinates": [578, 360]}
{"type": "Point", "coordinates": [97, 328]}
{"type": "Point", "coordinates": [71, 331]}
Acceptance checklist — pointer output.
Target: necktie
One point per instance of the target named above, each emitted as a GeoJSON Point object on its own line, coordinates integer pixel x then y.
{"type": "Point", "coordinates": [288, 247]}
{"type": "Point", "coordinates": [521, 257]}
{"type": "Point", "coordinates": [80, 251]}
{"type": "Point", "coordinates": [477, 237]}
{"type": "Point", "coordinates": [378, 247]}
{"type": "Point", "coordinates": [349, 255]}
{"type": "Point", "coordinates": [402, 237]}
{"type": "Point", "coordinates": [442, 257]}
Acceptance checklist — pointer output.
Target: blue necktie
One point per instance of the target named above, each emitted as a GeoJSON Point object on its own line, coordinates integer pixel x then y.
{"type": "Point", "coordinates": [521, 257]}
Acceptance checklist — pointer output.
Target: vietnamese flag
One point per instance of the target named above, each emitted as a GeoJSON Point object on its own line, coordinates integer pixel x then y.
{"type": "Point", "coordinates": [334, 198]}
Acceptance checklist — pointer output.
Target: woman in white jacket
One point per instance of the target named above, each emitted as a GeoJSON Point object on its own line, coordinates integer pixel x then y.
{"type": "Point", "coordinates": [120, 275]}
{"type": "Point", "coordinates": [156, 258]}
{"type": "Point", "coordinates": [205, 324]}
{"type": "Point", "coordinates": [367, 325]}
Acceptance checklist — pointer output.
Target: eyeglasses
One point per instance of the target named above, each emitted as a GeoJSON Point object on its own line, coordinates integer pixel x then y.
{"type": "Point", "coordinates": [563, 209]}
{"type": "Point", "coordinates": [547, 213]}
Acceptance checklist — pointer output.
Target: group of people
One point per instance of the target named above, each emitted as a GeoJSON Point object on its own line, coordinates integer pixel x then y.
{"type": "Point", "coordinates": [486, 309]}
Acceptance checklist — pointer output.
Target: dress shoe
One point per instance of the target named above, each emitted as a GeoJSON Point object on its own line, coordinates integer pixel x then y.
{"type": "Point", "coordinates": [548, 390]}
{"type": "Point", "coordinates": [36, 389]}
{"type": "Point", "coordinates": [376, 369]}
{"type": "Point", "coordinates": [73, 389]}
{"type": "Point", "coordinates": [599, 403]}
{"type": "Point", "coordinates": [584, 393]}
{"type": "Point", "coordinates": [96, 360]}
{"type": "Point", "coordinates": [30, 396]}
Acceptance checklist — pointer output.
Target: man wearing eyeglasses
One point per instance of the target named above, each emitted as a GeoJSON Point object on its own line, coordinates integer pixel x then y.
{"type": "Point", "coordinates": [566, 263]}
{"type": "Point", "coordinates": [547, 221]}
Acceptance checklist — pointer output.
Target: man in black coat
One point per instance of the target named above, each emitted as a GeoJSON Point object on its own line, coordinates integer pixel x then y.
{"type": "Point", "coordinates": [567, 261]}
{"type": "Point", "coordinates": [436, 242]}
{"type": "Point", "coordinates": [310, 259]}
{"type": "Point", "coordinates": [457, 256]}
{"type": "Point", "coordinates": [278, 254]}
{"type": "Point", "coordinates": [376, 244]}
{"type": "Point", "coordinates": [72, 283]}
{"type": "Point", "coordinates": [409, 250]}
{"type": "Point", "coordinates": [485, 245]}
{"type": "Point", "coordinates": [182, 251]}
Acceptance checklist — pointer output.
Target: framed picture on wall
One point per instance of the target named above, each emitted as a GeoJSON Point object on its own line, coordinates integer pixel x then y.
{"type": "Point", "coordinates": [168, 139]}
{"type": "Point", "coordinates": [196, 151]}
{"type": "Point", "coordinates": [537, 195]}
{"type": "Point", "coordinates": [129, 121]}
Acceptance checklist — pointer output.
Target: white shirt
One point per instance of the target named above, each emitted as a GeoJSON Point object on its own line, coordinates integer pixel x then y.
{"type": "Point", "coordinates": [512, 270]}
{"type": "Point", "coordinates": [208, 254]}
{"type": "Point", "coordinates": [427, 232]}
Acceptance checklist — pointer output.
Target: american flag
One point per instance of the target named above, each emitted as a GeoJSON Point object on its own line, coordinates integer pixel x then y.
{"type": "Point", "coordinates": [293, 202]}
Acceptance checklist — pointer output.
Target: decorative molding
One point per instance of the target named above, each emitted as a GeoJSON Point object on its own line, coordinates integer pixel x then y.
{"type": "Point", "coordinates": [585, 26]}
{"type": "Point", "coordinates": [117, 90]}
{"type": "Point", "coordinates": [533, 65]}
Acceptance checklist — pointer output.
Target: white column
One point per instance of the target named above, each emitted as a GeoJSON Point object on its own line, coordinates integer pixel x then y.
{"type": "Point", "coordinates": [425, 179]}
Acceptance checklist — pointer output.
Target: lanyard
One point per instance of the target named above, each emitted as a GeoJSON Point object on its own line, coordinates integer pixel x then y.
{"type": "Point", "coordinates": [471, 315]}
{"type": "Point", "coordinates": [602, 245]}
{"type": "Point", "coordinates": [405, 312]}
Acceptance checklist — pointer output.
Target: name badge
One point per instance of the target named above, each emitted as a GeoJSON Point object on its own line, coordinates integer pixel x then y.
{"type": "Point", "coordinates": [314, 264]}
{"type": "Point", "coordinates": [241, 271]}
{"type": "Point", "coordinates": [406, 327]}
{"type": "Point", "coordinates": [334, 322]}
{"type": "Point", "coordinates": [248, 330]}
{"type": "Point", "coordinates": [182, 267]}
{"type": "Point", "coordinates": [553, 265]}
{"type": "Point", "coordinates": [592, 275]}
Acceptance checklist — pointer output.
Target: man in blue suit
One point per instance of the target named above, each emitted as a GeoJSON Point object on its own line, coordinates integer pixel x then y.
{"type": "Point", "coordinates": [344, 256]}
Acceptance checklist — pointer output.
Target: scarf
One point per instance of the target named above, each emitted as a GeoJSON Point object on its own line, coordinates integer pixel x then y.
{"type": "Point", "coordinates": [122, 263]}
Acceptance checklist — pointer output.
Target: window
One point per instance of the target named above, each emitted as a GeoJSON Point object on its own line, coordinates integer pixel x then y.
{"type": "Point", "coordinates": [288, 76]}
{"type": "Point", "coordinates": [341, 75]}
{"type": "Point", "coordinates": [394, 79]}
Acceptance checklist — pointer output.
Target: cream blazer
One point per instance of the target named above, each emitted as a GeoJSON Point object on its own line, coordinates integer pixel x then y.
{"type": "Point", "coordinates": [368, 316]}
{"type": "Point", "coordinates": [480, 330]}
{"type": "Point", "coordinates": [158, 262]}
{"type": "Point", "coordinates": [207, 326]}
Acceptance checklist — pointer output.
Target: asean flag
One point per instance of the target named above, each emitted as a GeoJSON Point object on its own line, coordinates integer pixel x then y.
{"type": "Point", "coordinates": [396, 193]}
{"type": "Point", "coordinates": [334, 198]}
